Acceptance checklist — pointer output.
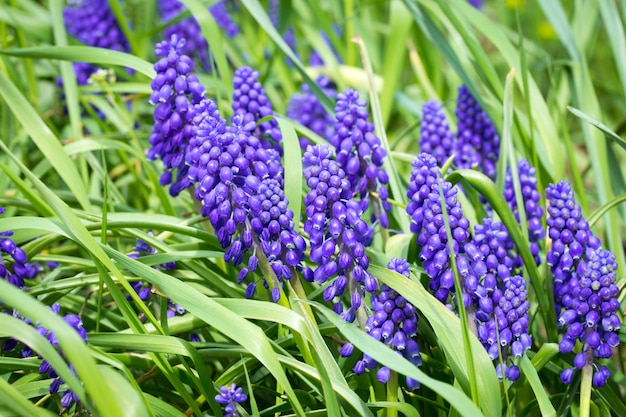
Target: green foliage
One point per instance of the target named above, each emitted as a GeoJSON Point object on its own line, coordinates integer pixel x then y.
{"type": "Point", "coordinates": [78, 190]}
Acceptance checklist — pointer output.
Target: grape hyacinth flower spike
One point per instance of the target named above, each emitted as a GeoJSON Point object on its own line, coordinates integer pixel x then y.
{"type": "Point", "coordinates": [360, 154]}
{"type": "Point", "coordinates": [337, 232]}
{"type": "Point", "coordinates": [394, 322]}
{"type": "Point", "coordinates": [532, 208]}
{"type": "Point", "coordinates": [45, 368]}
{"type": "Point", "coordinates": [230, 396]}
{"type": "Point", "coordinates": [436, 138]}
{"type": "Point", "coordinates": [585, 293]}
{"type": "Point", "coordinates": [478, 143]}
{"type": "Point", "coordinates": [175, 91]}
{"type": "Point", "coordinates": [240, 186]}
{"type": "Point", "coordinates": [17, 269]}
{"type": "Point", "coordinates": [306, 109]}
{"type": "Point", "coordinates": [427, 221]}
{"type": "Point", "coordinates": [250, 101]}
{"type": "Point", "coordinates": [93, 23]}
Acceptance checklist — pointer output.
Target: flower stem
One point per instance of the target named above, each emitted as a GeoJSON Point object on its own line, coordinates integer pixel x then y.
{"type": "Point", "coordinates": [585, 390]}
{"type": "Point", "coordinates": [392, 393]}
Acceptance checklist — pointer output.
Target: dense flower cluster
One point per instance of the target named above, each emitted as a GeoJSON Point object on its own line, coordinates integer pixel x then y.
{"type": "Point", "coordinates": [16, 269]}
{"type": "Point", "coordinates": [427, 221]}
{"type": "Point", "coordinates": [360, 154]}
{"type": "Point", "coordinates": [394, 322]}
{"type": "Point", "coordinates": [436, 138]}
{"type": "Point", "coordinates": [175, 91]}
{"type": "Point", "coordinates": [230, 397]}
{"type": "Point", "coordinates": [478, 143]}
{"type": "Point", "coordinates": [219, 11]}
{"type": "Point", "coordinates": [93, 23]}
{"type": "Point", "coordinates": [189, 29]}
{"type": "Point", "coordinates": [532, 208]}
{"type": "Point", "coordinates": [589, 314]}
{"type": "Point", "coordinates": [250, 101]}
{"type": "Point", "coordinates": [584, 285]}
{"type": "Point", "coordinates": [240, 185]}
{"type": "Point", "coordinates": [75, 322]}
{"type": "Point", "coordinates": [337, 233]}
{"type": "Point", "coordinates": [306, 109]}
{"type": "Point", "coordinates": [570, 236]}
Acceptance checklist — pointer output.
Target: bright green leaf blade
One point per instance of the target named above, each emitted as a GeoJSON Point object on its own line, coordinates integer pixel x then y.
{"type": "Point", "coordinates": [88, 54]}
{"type": "Point", "coordinates": [447, 327]}
{"type": "Point", "coordinates": [292, 163]}
{"type": "Point", "coordinates": [546, 407]}
{"type": "Point", "coordinates": [385, 356]}
{"type": "Point", "coordinates": [43, 138]}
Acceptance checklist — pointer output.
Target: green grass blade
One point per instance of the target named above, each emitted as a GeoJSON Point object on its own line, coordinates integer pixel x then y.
{"type": "Point", "coordinates": [19, 405]}
{"type": "Point", "coordinates": [546, 407]}
{"type": "Point", "coordinates": [599, 125]}
{"type": "Point", "coordinates": [88, 54]}
{"type": "Point", "coordinates": [258, 13]}
{"type": "Point", "coordinates": [44, 139]}
{"type": "Point", "coordinates": [292, 163]}
{"type": "Point", "coordinates": [385, 356]}
{"type": "Point", "coordinates": [242, 331]}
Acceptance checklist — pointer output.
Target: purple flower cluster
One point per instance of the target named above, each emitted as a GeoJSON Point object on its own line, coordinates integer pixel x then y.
{"type": "Point", "coordinates": [306, 109]}
{"type": "Point", "coordinates": [360, 153]}
{"type": "Point", "coordinates": [427, 221]}
{"type": "Point", "coordinates": [93, 23]}
{"type": "Point", "coordinates": [506, 330]}
{"type": "Point", "coordinates": [436, 138]}
{"type": "Point", "coordinates": [337, 232]}
{"type": "Point", "coordinates": [589, 314]}
{"type": "Point", "coordinates": [240, 186]}
{"type": "Point", "coordinates": [478, 143]}
{"type": "Point", "coordinates": [230, 397]}
{"type": "Point", "coordinates": [250, 101]}
{"type": "Point", "coordinates": [219, 11]}
{"type": "Point", "coordinates": [570, 236]}
{"type": "Point", "coordinates": [532, 208]}
{"type": "Point", "coordinates": [75, 322]}
{"type": "Point", "coordinates": [394, 322]}
{"type": "Point", "coordinates": [584, 285]}
{"type": "Point", "coordinates": [17, 269]}
{"type": "Point", "coordinates": [175, 90]}
{"type": "Point", "coordinates": [188, 29]}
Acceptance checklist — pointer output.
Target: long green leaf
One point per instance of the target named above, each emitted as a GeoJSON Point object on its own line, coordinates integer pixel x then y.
{"type": "Point", "coordinates": [546, 407]}
{"type": "Point", "coordinates": [88, 54]}
{"type": "Point", "coordinates": [45, 140]}
{"type": "Point", "coordinates": [385, 356]}
{"type": "Point", "coordinates": [292, 163]}
{"type": "Point", "coordinates": [447, 327]}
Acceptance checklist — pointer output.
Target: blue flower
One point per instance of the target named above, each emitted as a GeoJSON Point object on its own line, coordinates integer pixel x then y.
{"type": "Point", "coordinates": [175, 91]}
{"type": "Point", "coordinates": [478, 143]}
{"type": "Point", "coordinates": [230, 396]}
{"type": "Point", "coordinates": [360, 154]}
{"type": "Point", "coordinates": [337, 232]}
{"type": "Point", "coordinates": [436, 138]}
